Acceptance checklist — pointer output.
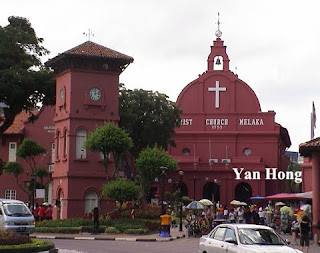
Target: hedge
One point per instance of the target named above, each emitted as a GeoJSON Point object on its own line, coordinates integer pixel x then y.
{"type": "Point", "coordinates": [75, 226]}
{"type": "Point", "coordinates": [35, 246]}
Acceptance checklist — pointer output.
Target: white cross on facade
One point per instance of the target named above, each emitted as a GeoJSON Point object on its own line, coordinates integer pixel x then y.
{"type": "Point", "coordinates": [217, 89]}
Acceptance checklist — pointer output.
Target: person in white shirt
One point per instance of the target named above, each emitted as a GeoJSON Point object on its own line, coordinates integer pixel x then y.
{"type": "Point", "coordinates": [232, 216]}
{"type": "Point", "coordinates": [240, 215]}
{"type": "Point", "coordinates": [262, 215]}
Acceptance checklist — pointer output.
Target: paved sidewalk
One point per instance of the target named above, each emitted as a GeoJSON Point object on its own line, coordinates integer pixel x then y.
{"type": "Point", "coordinates": [314, 248]}
{"type": "Point", "coordinates": [175, 234]}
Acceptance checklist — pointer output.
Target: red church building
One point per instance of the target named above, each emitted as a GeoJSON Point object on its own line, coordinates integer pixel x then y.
{"type": "Point", "coordinates": [222, 130]}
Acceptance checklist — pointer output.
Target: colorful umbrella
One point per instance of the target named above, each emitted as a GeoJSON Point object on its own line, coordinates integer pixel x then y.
{"type": "Point", "coordinates": [286, 209]}
{"type": "Point", "coordinates": [206, 202]}
{"type": "Point", "coordinates": [195, 205]}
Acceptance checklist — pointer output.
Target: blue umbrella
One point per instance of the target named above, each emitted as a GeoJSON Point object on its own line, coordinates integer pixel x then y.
{"type": "Point", "coordinates": [195, 205]}
{"type": "Point", "coordinates": [257, 198]}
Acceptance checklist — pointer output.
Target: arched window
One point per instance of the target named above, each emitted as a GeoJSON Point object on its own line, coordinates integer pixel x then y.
{"type": "Point", "coordinates": [186, 151]}
{"type": "Point", "coordinates": [58, 146]}
{"type": "Point", "coordinates": [218, 63]}
{"type": "Point", "coordinates": [91, 201]}
{"type": "Point", "coordinates": [81, 137]}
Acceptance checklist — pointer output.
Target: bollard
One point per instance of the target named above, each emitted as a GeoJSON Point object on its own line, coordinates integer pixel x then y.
{"type": "Point", "coordinates": [165, 221]}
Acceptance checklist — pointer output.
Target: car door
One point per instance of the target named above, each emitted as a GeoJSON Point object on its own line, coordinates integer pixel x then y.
{"type": "Point", "coordinates": [215, 243]}
{"type": "Point", "coordinates": [230, 241]}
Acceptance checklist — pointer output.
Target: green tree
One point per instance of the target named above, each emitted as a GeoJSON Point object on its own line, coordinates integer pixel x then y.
{"type": "Point", "coordinates": [41, 173]}
{"type": "Point", "coordinates": [149, 118]}
{"type": "Point", "coordinates": [29, 150]}
{"type": "Point", "coordinates": [107, 139]}
{"type": "Point", "coordinates": [291, 185]}
{"type": "Point", "coordinates": [149, 165]}
{"type": "Point", "coordinates": [121, 190]}
{"type": "Point", "coordinates": [24, 81]}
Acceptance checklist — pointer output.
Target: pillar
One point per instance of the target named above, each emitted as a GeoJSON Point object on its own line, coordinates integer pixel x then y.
{"type": "Point", "coordinates": [315, 191]}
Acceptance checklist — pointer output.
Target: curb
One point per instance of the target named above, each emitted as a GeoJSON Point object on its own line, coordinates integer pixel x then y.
{"type": "Point", "coordinates": [127, 239]}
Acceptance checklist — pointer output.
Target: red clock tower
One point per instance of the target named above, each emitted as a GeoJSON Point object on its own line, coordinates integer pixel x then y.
{"type": "Point", "coordinates": [87, 80]}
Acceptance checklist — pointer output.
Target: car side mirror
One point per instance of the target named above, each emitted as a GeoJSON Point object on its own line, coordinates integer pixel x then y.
{"type": "Point", "coordinates": [230, 240]}
{"type": "Point", "coordinates": [287, 241]}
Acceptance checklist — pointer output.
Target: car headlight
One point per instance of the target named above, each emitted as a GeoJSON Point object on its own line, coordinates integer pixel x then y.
{"type": "Point", "coordinates": [9, 223]}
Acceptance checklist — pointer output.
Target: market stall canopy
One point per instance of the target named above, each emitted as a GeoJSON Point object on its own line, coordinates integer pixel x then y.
{"type": "Point", "coordinates": [284, 196]}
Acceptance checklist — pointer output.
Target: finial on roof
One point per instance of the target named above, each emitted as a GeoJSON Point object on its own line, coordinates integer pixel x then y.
{"type": "Point", "coordinates": [88, 34]}
{"type": "Point", "coordinates": [218, 32]}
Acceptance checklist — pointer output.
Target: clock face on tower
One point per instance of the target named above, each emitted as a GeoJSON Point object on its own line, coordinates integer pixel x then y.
{"type": "Point", "coordinates": [94, 94]}
{"type": "Point", "coordinates": [61, 93]}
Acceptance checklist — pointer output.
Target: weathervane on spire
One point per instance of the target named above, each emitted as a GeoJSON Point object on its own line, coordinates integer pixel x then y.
{"type": "Point", "coordinates": [218, 32]}
{"type": "Point", "coordinates": [88, 34]}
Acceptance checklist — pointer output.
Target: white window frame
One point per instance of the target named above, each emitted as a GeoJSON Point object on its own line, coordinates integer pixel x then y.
{"type": "Point", "coordinates": [12, 152]}
{"type": "Point", "coordinates": [10, 194]}
{"type": "Point", "coordinates": [81, 137]}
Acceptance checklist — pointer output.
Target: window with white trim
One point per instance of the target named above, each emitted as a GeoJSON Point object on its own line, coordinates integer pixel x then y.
{"type": "Point", "coordinates": [91, 201]}
{"type": "Point", "coordinates": [81, 137]}
{"type": "Point", "coordinates": [12, 152]}
{"type": "Point", "coordinates": [10, 194]}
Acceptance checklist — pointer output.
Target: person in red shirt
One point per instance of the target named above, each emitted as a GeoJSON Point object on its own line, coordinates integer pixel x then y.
{"type": "Point", "coordinates": [42, 212]}
{"type": "Point", "coordinates": [36, 212]}
{"type": "Point", "coordinates": [48, 213]}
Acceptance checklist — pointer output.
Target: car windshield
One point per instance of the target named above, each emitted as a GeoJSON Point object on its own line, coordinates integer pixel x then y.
{"type": "Point", "coordinates": [259, 236]}
{"type": "Point", "coordinates": [16, 210]}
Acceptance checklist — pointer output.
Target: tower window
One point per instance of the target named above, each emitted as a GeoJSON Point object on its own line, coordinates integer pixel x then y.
{"type": "Point", "coordinates": [81, 137]}
{"type": "Point", "coordinates": [218, 63]}
{"type": "Point", "coordinates": [65, 143]}
{"type": "Point", "coordinates": [247, 151]}
{"type": "Point", "coordinates": [186, 151]}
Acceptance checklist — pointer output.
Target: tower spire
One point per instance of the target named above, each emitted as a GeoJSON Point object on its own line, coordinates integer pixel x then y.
{"type": "Point", "coordinates": [218, 32]}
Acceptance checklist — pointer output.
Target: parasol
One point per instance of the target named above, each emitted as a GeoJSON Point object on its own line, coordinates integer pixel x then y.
{"type": "Point", "coordinates": [243, 204]}
{"type": "Point", "coordinates": [286, 209]}
{"type": "Point", "coordinates": [235, 202]}
{"type": "Point", "coordinates": [195, 205]}
{"type": "Point", "coordinates": [280, 204]}
{"type": "Point", "coordinates": [206, 202]}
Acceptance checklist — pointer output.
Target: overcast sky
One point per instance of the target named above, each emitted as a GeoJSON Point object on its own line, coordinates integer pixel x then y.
{"type": "Point", "coordinates": [274, 45]}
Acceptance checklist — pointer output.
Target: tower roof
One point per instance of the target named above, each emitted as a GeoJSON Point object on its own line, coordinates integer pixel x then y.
{"type": "Point", "coordinates": [93, 51]}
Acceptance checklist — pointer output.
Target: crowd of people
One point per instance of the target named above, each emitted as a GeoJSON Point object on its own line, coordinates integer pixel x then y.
{"type": "Point", "coordinates": [42, 212]}
{"type": "Point", "coordinates": [283, 219]}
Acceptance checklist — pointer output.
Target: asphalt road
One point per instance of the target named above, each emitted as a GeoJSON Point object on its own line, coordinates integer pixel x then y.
{"type": "Point", "coordinates": [182, 245]}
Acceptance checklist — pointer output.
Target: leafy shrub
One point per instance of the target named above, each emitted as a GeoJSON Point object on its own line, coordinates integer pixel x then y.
{"type": "Point", "coordinates": [135, 231]}
{"type": "Point", "coordinates": [64, 230]}
{"type": "Point", "coordinates": [9, 238]}
{"type": "Point", "coordinates": [112, 230]}
{"type": "Point", "coordinates": [35, 246]}
{"type": "Point", "coordinates": [148, 212]}
{"type": "Point", "coordinates": [152, 225]}
{"type": "Point", "coordinates": [74, 222]}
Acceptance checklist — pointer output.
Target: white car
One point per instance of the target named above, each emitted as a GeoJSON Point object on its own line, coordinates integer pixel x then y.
{"type": "Point", "coordinates": [243, 238]}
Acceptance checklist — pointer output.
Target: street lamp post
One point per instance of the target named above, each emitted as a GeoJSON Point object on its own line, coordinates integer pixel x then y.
{"type": "Point", "coordinates": [180, 188]}
{"type": "Point", "coordinates": [161, 181]}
